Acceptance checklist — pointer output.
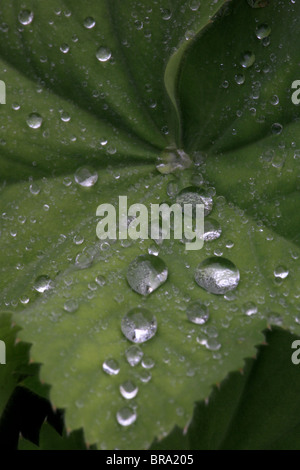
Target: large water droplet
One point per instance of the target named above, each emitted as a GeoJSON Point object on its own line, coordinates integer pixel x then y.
{"type": "Point", "coordinates": [193, 195]}
{"type": "Point", "coordinates": [247, 59]}
{"type": "Point", "coordinates": [126, 416]}
{"type": "Point", "coordinates": [103, 54]}
{"type": "Point", "coordinates": [42, 284]}
{"type": "Point", "coordinates": [146, 273]}
{"type": "Point", "coordinates": [134, 355]}
{"type": "Point", "coordinates": [217, 275]}
{"type": "Point", "coordinates": [139, 325]}
{"type": "Point", "coordinates": [128, 390]}
{"type": "Point", "coordinates": [212, 230]}
{"type": "Point", "coordinates": [34, 121]}
{"type": "Point", "coordinates": [197, 312]}
{"type": "Point", "coordinates": [111, 366]}
{"type": "Point", "coordinates": [25, 17]}
{"type": "Point", "coordinates": [86, 177]}
{"type": "Point", "coordinates": [262, 31]}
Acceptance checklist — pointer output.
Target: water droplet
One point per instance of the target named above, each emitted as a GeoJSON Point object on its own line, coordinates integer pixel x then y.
{"type": "Point", "coordinates": [126, 416]}
{"type": "Point", "coordinates": [134, 355]}
{"type": "Point", "coordinates": [65, 117]}
{"type": "Point", "coordinates": [166, 14]}
{"type": "Point", "coordinates": [101, 281]}
{"type": "Point", "coordinates": [34, 189]}
{"type": "Point", "coordinates": [213, 344]}
{"type": "Point", "coordinates": [83, 260]}
{"type": "Point", "coordinates": [249, 309]}
{"type": "Point", "coordinates": [146, 273]}
{"type": "Point", "coordinates": [71, 305]}
{"type": "Point", "coordinates": [89, 22]}
{"type": "Point", "coordinates": [148, 362]}
{"type": "Point", "coordinates": [281, 272]}
{"type": "Point", "coordinates": [111, 366]}
{"type": "Point", "coordinates": [86, 177]}
{"type": "Point", "coordinates": [172, 159]}
{"type": "Point", "coordinates": [25, 17]}
{"type": "Point", "coordinates": [217, 275]}
{"type": "Point", "coordinates": [276, 128]}
{"type": "Point", "coordinates": [247, 59]}
{"type": "Point", "coordinates": [239, 78]}
{"type": "Point", "coordinates": [103, 54]}
{"type": "Point", "coordinates": [194, 5]}
{"type": "Point", "coordinates": [128, 390]}
{"type": "Point", "coordinates": [42, 284]}
{"type": "Point", "coordinates": [212, 230]}
{"type": "Point", "coordinates": [64, 48]}
{"type": "Point", "coordinates": [275, 319]}
{"type": "Point", "coordinates": [197, 312]}
{"type": "Point", "coordinates": [262, 31]}
{"type": "Point", "coordinates": [145, 376]}
{"type": "Point", "coordinates": [34, 121]}
{"type": "Point", "coordinates": [194, 195]}
{"type": "Point", "coordinates": [139, 325]}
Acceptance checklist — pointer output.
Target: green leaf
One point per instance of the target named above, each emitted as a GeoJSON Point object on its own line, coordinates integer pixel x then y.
{"type": "Point", "coordinates": [49, 219]}
{"type": "Point", "coordinates": [255, 409]}
{"type": "Point", "coordinates": [51, 440]}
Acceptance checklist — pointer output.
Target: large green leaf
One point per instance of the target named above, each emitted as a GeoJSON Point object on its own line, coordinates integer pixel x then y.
{"type": "Point", "coordinates": [255, 409]}
{"type": "Point", "coordinates": [133, 101]}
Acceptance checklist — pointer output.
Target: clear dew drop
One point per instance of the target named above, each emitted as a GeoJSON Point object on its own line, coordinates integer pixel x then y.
{"type": "Point", "coordinates": [128, 390]}
{"type": "Point", "coordinates": [213, 344]}
{"type": "Point", "coordinates": [276, 128]}
{"type": "Point", "coordinates": [25, 17]}
{"type": "Point", "coordinates": [126, 416]}
{"type": "Point", "coordinates": [239, 78]}
{"type": "Point", "coordinates": [146, 273]}
{"type": "Point", "coordinates": [262, 31]}
{"type": "Point", "coordinates": [172, 160]}
{"type": "Point", "coordinates": [148, 362]}
{"type": "Point", "coordinates": [193, 195]}
{"type": "Point", "coordinates": [247, 59]}
{"type": "Point", "coordinates": [71, 305]}
{"type": "Point", "coordinates": [86, 177]}
{"type": "Point", "coordinates": [249, 309]}
{"type": "Point", "coordinates": [217, 275]}
{"type": "Point", "coordinates": [134, 355]}
{"type": "Point", "coordinates": [83, 260]}
{"type": "Point", "coordinates": [103, 54]}
{"type": "Point", "coordinates": [64, 48]}
{"type": "Point", "coordinates": [275, 319]}
{"type": "Point", "coordinates": [139, 325]}
{"type": "Point", "coordinates": [100, 280]}
{"type": "Point", "coordinates": [212, 230]}
{"type": "Point", "coordinates": [194, 5]}
{"type": "Point", "coordinates": [111, 366]}
{"type": "Point", "coordinates": [197, 312]}
{"type": "Point", "coordinates": [89, 22]}
{"type": "Point", "coordinates": [42, 284]}
{"type": "Point", "coordinates": [166, 14]}
{"type": "Point", "coordinates": [34, 121]}
{"type": "Point", "coordinates": [281, 272]}
{"type": "Point", "coordinates": [34, 189]}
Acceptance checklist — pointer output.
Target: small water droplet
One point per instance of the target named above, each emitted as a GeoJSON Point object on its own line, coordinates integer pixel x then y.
{"type": "Point", "coordinates": [146, 273]}
{"type": "Point", "coordinates": [217, 275]}
{"type": "Point", "coordinates": [71, 305]}
{"type": "Point", "coordinates": [126, 416]}
{"type": "Point", "coordinates": [128, 390]}
{"type": "Point", "coordinates": [239, 78]}
{"type": "Point", "coordinates": [25, 17]}
{"type": "Point", "coordinates": [212, 230]}
{"type": "Point", "coordinates": [86, 177]}
{"type": "Point", "coordinates": [139, 325]}
{"type": "Point", "coordinates": [262, 31]}
{"type": "Point", "coordinates": [103, 54]}
{"type": "Point", "coordinates": [64, 48]}
{"type": "Point", "coordinates": [83, 260]}
{"type": "Point", "coordinates": [275, 319]}
{"type": "Point", "coordinates": [213, 344]}
{"type": "Point", "coordinates": [111, 366]}
{"type": "Point", "coordinates": [134, 355]}
{"type": "Point", "coordinates": [148, 362]}
{"type": "Point", "coordinates": [281, 272]}
{"type": "Point", "coordinates": [34, 189]}
{"type": "Point", "coordinates": [247, 59]}
{"type": "Point", "coordinates": [197, 312]}
{"type": "Point", "coordinates": [89, 22]}
{"type": "Point", "coordinates": [101, 281]}
{"type": "Point", "coordinates": [166, 14]}
{"type": "Point", "coordinates": [34, 121]}
{"type": "Point", "coordinates": [277, 128]}
{"type": "Point", "coordinates": [249, 309]}
{"type": "Point", "coordinates": [65, 117]}
{"type": "Point", "coordinates": [194, 5]}
{"type": "Point", "coordinates": [42, 284]}
{"type": "Point", "coordinates": [194, 195]}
